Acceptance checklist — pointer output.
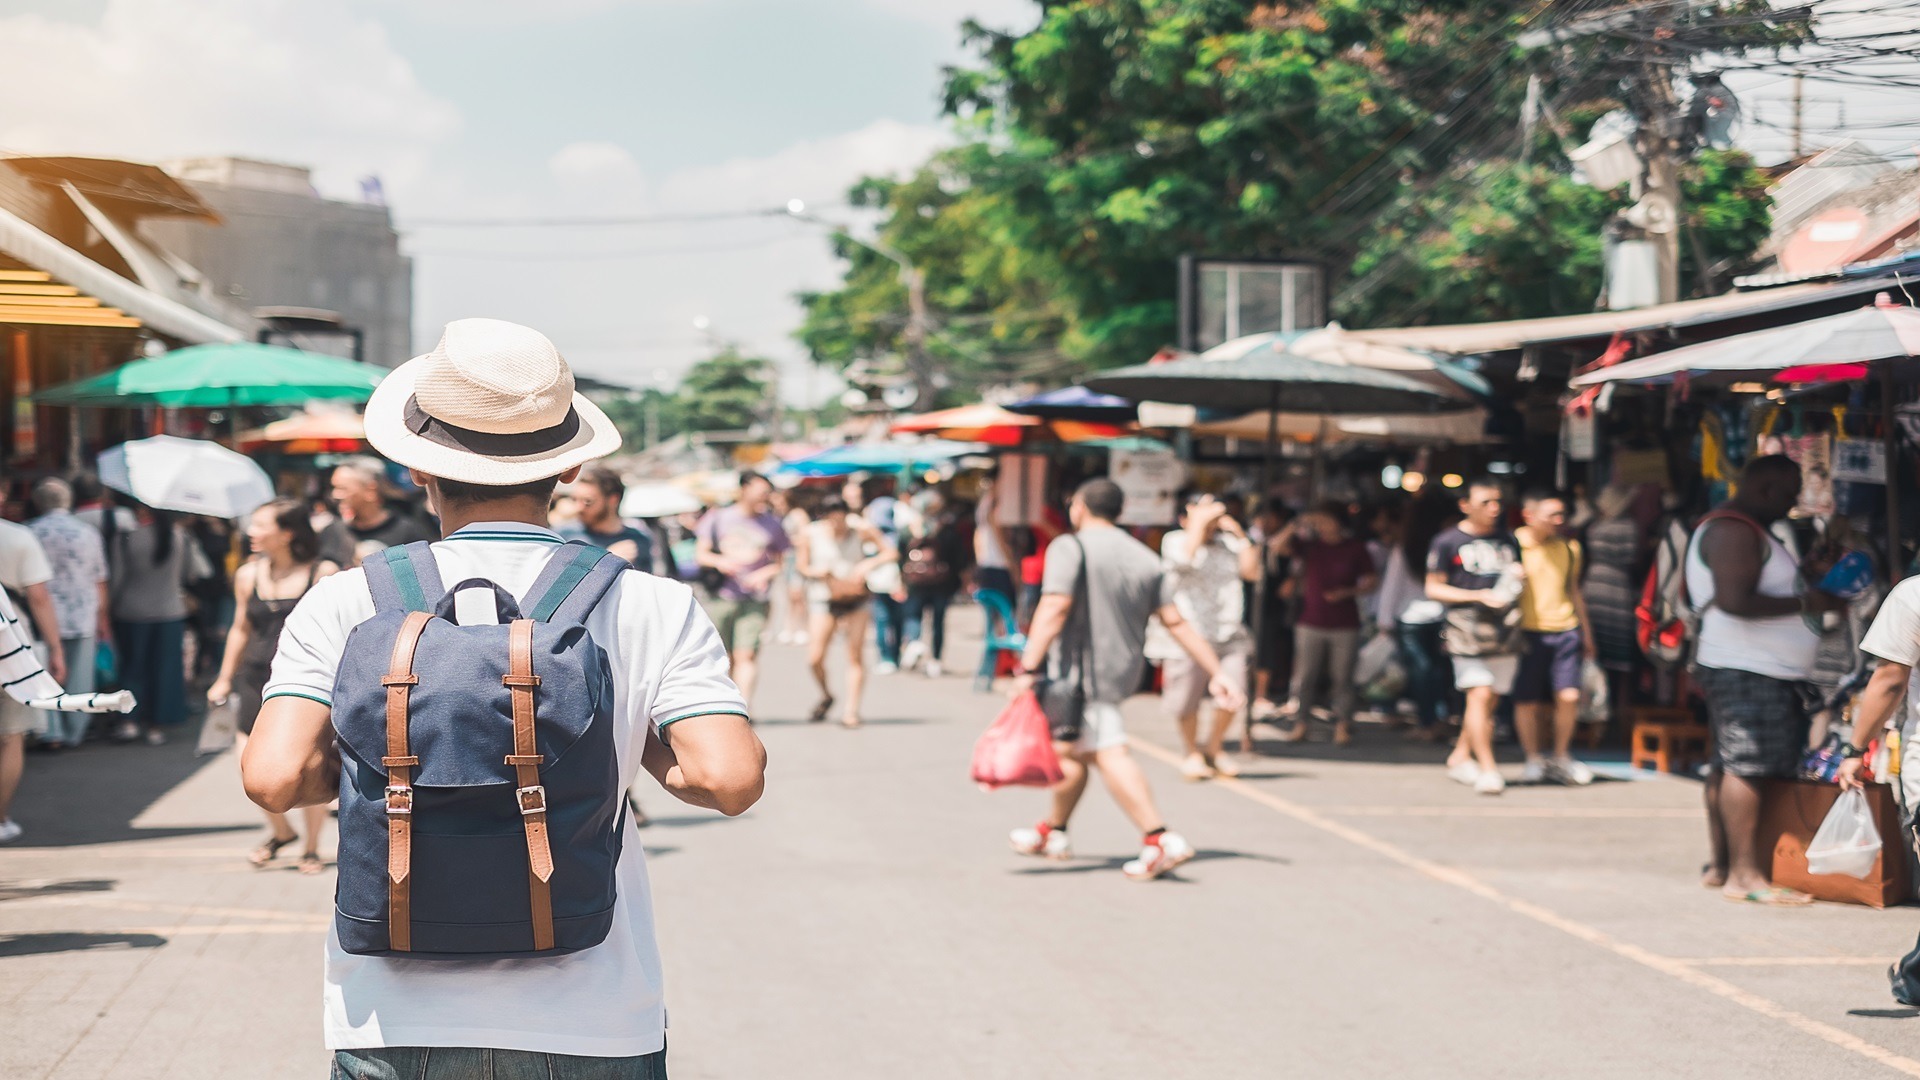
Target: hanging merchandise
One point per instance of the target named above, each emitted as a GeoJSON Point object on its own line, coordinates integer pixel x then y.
{"type": "Point", "coordinates": [1151, 480]}
{"type": "Point", "coordinates": [1578, 435]}
{"type": "Point", "coordinates": [1860, 461]}
{"type": "Point", "coordinates": [1814, 455]}
{"type": "Point", "coordinates": [1713, 442]}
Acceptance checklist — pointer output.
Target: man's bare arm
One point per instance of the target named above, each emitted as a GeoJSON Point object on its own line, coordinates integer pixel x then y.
{"type": "Point", "coordinates": [714, 761]}
{"type": "Point", "coordinates": [1049, 619]}
{"type": "Point", "coordinates": [1229, 696]}
{"type": "Point", "coordinates": [40, 599]}
{"type": "Point", "coordinates": [1438, 589]}
{"type": "Point", "coordinates": [290, 760]}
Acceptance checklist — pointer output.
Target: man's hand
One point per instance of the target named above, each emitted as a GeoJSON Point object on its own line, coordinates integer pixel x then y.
{"type": "Point", "coordinates": [1819, 602]}
{"type": "Point", "coordinates": [1227, 693]}
{"type": "Point", "coordinates": [759, 580]}
{"type": "Point", "coordinates": [1020, 684]}
{"type": "Point", "coordinates": [1849, 775]}
{"type": "Point", "coordinates": [57, 662]}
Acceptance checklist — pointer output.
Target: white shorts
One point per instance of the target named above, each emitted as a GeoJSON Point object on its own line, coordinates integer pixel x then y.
{"type": "Point", "coordinates": [1100, 728]}
{"type": "Point", "coordinates": [1471, 672]}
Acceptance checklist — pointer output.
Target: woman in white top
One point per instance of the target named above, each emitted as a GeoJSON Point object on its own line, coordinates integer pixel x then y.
{"type": "Point", "coordinates": [836, 552]}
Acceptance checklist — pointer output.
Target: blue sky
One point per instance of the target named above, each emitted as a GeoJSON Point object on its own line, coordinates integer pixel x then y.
{"type": "Point", "coordinates": [502, 108]}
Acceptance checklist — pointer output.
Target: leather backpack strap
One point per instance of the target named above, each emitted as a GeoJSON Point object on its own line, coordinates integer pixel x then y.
{"type": "Point", "coordinates": [530, 795]}
{"type": "Point", "coordinates": [400, 762]}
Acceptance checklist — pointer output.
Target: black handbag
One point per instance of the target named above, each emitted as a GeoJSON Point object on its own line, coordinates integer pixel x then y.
{"type": "Point", "coordinates": [1065, 703]}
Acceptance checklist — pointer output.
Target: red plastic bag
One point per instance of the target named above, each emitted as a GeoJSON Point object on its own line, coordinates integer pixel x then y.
{"type": "Point", "coordinates": [1017, 749]}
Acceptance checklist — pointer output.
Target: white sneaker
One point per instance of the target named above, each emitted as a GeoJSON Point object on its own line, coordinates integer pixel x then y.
{"type": "Point", "coordinates": [1265, 710]}
{"type": "Point", "coordinates": [934, 670]}
{"type": "Point", "coordinates": [885, 668]}
{"type": "Point", "coordinates": [156, 737]}
{"type": "Point", "coordinates": [1569, 771]}
{"type": "Point", "coordinates": [1489, 783]}
{"type": "Point", "coordinates": [1223, 765]}
{"type": "Point", "coordinates": [1195, 767]}
{"type": "Point", "coordinates": [1535, 771]}
{"type": "Point", "coordinates": [912, 654]}
{"type": "Point", "coordinates": [10, 831]}
{"type": "Point", "coordinates": [1042, 840]}
{"type": "Point", "coordinates": [1466, 773]}
{"type": "Point", "coordinates": [1156, 859]}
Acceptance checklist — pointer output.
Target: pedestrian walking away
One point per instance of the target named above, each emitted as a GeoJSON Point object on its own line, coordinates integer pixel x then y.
{"type": "Point", "coordinates": [1558, 644]}
{"type": "Point", "coordinates": [152, 567]}
{"type": "Point", "coordinates": [932, 565]}
{"type": "Point", "coordinates": [739, 552]}
{"type": "Point", "coordinates": [1089, 632]}
{"type": "Point", "coordinates": [1335, 571]}
{"type": "Point", "coordinates": [489, 422]}
{"type": "Point", "coordinates": [792, 589]}
{"type": "Point", "coordinates": [25, 572]}
{"type": "Point", "coordinates": [1413, 620]}
{"type": "Point", "coordinates": [1754, 651]}
{"type": "Point", "coordinates": [838, 552]}
{"type": "Point", "coordinates": [285, 568]}
{"type": "Point", "coordinates": [78, 557]}
{"type": "Point", "coordinates": [1207, 561]}
{"type": "Point", "coordinates": [1474, 569]}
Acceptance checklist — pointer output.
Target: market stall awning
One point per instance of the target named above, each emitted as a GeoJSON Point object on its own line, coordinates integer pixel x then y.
{"type": "Point", "coordinates": [1471, 338]}
{"type": "Point", "coordinates": [1331, 344]}
{"type": "Point", "coordinates": [1883, 331]}
{"type": "Point", "coordinates": [33, 298]}
{"type": "Point", "coordinates": [222, 376]}
{"type": "Point", "coordinates": [995, 426]}
{"type": "Point", "coordinates": [1467, 428]}
{"type": "Point", "coordinates": [894, 456]}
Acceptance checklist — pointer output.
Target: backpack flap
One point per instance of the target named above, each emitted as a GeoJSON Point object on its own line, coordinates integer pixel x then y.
{"type": "Point", "coordinates": [460, 714]}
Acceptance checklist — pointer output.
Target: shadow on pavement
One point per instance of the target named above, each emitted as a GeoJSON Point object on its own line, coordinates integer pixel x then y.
{"type": "Point", "coordinates": [54, 888]}
{"type": "Point", "coordinates": [91, 795]}
{"type": "Point", "coordinates": [1083, 866]}
{"type": "Point", "coordinates": [683, 821]}
{"type": "Point", "coordinates": [1886, 1014]}
{"type": "Point", "coordinates": [43, 944]}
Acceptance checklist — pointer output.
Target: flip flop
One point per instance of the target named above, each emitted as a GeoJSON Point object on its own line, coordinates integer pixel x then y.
{"type": "Point", "coordinates": [310, 864]}
{"type": "Point", "coordinates": [1772, 896]}
{"type": "Point", "coordinates": [268, 851]}
{"type": "Point", "coordinates": [819, 713]}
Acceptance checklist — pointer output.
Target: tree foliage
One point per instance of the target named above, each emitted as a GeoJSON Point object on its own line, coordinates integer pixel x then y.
{"type": "Point", "coordinates": [728, 391]}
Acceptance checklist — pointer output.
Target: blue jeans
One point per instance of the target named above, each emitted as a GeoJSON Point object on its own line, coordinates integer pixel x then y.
{"type": "Point", "coordinates": [461, 1063]}
{"type": "Point", "coordinates": [888, 625]}
{"type": "Point", "coordinates": [932, 604]}
{"type": "Point", "coordinates": [1429, 671]}
{"type": "Point", "coordinates": [71, 727]}
{"type": "Point", "coordinates": [154, 668]}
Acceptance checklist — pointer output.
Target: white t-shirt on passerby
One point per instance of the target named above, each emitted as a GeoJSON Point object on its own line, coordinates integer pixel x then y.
{"type": "Point", "coordinates": [668, 664]}
{"type": "Point", "coordinates": [23, 564]}
{"type": "Point", "coordinates": [1207, 588]}
{"type": "Point", "coordinates": [78, 558]}
{"type": "Point", "coordinates": [1895, 637]}
{"type": "Point", "coordinates": [987, 551]}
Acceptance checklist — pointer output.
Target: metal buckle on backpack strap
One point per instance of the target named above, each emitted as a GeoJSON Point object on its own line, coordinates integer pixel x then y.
{"type": "Point", "coordinates": [533, 800]}
{"type": "Point", "coordinates": [399, 799]}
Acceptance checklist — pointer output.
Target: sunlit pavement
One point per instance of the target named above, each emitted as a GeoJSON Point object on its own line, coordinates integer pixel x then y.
{"type": "Point", "coordinates": [1352, 913]}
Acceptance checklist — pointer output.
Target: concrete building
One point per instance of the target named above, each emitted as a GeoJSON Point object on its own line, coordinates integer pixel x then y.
{"type": "Point", "coordinates": [319, 272]}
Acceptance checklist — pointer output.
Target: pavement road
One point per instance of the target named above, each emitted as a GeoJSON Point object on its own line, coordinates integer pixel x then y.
{"type": "Point", "coordinates": [1352, 913]}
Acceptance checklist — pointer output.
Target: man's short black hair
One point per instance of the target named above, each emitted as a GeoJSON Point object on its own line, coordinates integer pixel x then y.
{"type": "Point", "coordinates": [1102, 498]}
{"type": "Point", "coordinates": [1536, 496]}
{"type": "Point", "coordinates": [1771, 467]}
{"type": "Point", "coordinates": [604, 480]}
{"type": "Point", "coordinates": [1483, 482]}
{"type": "Point", "coordinates": [748, 476]}
{"type": "Point", "coordinates": [457, 491]}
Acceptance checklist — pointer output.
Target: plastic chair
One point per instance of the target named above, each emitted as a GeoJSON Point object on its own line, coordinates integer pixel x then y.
{"type": "Point", "coordinates": [997, 605]}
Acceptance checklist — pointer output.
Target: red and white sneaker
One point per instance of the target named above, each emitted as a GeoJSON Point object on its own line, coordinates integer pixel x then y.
{"type": "Point", "coordinates": [1042, 840]}
{"type": "Point", "coordinates": [1161, 854]}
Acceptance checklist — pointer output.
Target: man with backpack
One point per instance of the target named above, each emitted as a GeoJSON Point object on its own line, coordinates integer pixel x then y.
{"type": "Point", "coordinates": [479, 706]}
{"type": "Point", "coordinates": [1753, 651]}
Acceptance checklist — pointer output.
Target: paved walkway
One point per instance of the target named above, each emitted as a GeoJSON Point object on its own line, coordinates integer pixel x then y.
{"type": "Point", "coordinates": [1353, 913]}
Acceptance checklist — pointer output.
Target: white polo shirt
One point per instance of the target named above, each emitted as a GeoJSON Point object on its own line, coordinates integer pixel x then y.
{"type": "Point", "coordinates": [668, 664]}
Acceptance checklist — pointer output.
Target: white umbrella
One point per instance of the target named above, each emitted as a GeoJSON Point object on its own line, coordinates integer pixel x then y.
{"type": "Point", "coordinates": [186, 475]}
{"type": "Point", "coordinates": [1884, 331]}
{"type": "Point", "coordinates": [658, 501]}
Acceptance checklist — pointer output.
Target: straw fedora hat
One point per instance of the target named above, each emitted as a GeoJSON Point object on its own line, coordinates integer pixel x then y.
{"type": "Point", "coordinates": [492, 404]}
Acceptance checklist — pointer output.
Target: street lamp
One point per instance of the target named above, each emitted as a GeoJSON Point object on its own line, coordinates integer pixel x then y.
{"type": "Point", "coordinates": [919, 364]}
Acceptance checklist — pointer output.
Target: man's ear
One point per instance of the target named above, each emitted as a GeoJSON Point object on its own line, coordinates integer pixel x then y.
{"type": "Point", "coordinates": [570, 475]}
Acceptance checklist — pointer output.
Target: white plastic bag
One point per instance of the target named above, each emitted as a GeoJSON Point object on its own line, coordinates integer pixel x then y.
{"type": "Point", "coordinates": [1847, 841]}
{"type": "Point", "coordinates": [1595, 708]}
{"type": "Point", "coordinates": [1372, 662]}
{"type": "Point", "coordinates": [218, 730]}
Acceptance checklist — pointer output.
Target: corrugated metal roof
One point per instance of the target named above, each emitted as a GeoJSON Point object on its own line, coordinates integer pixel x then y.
{"type": "Point", "coordinates": [1467, 339]}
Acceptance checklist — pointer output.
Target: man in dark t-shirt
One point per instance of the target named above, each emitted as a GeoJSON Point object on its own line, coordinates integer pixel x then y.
{"type": "Point", "coordinates": [1474, 569]}
{"type": "Point", "coordinates": [1335, 571]}
{"type": "Point", "coordinates": [367, 524]}
{"type": "Point", "coordinates": [598, 493]}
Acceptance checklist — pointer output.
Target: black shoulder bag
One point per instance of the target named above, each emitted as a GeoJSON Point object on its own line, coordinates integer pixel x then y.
{"type": "Point", "coordinates": [1066, 703]}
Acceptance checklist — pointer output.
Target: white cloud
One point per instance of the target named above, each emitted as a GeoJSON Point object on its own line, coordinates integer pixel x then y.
{"type": "Point", "coordinates": [603, 174]}
{"type": "Point", "coordinates": [948, 14]}
{"type": "Point", "coordinates": [303, 82]}
{"type": "Point", "coordinates": [817, 170]}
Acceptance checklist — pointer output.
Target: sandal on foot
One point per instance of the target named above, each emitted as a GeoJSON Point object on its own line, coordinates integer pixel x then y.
{"type": "Point", "coordinates": [1773, 896]}
{"type": "Point", "coordinates": [1706, 877]}
{"type": "Point", "coordinates": [269, 851]}
{"type": "Point", "coordinates": [819, 713]}
{"type": "Point", "coordinates": [310, 863]}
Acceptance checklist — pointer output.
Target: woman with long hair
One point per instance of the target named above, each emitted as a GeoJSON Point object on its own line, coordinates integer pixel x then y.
{"type": "Point", "coordinates": [285, 565]}
{"type": "Point", "coordinates": [153, 566]}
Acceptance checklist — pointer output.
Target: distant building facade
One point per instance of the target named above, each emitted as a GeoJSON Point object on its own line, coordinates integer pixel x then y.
{"type": "Point", "coordinates": [319, 272]}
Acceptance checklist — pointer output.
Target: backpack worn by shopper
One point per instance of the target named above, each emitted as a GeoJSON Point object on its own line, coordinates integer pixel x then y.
{"type": "Point", "coordinates": [480, 802]}
{"type": "Point", "coordinates": [1666, 622]}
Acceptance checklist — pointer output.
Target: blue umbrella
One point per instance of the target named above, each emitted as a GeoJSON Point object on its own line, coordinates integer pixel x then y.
{"type": "Point", "coordinates": [1077, 403]}
{"type": "Point", "coordinates": [878, 457]}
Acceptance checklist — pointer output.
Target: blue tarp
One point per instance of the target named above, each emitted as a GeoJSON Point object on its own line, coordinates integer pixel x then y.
{"type": "Point", "coordinates": [878, 457]}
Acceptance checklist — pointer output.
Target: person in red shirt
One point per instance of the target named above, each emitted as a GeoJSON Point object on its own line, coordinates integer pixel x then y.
{"type": "Point", "coordinates": [1335, 570]}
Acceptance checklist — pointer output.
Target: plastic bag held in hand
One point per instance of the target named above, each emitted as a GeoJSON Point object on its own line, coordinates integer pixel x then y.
{"type": "Point", "coordinates": [1847, 841]}
{"type": "Point", "coordinates": [1017, 749]}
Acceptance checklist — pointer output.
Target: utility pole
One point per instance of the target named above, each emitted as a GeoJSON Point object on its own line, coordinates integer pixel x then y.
{"type": "Point", "coordinates": [1799, 111]}
{"type": "Point", "coordinates": [1664, 148]}
{"type": "Point", "coordinates": [919, 323]}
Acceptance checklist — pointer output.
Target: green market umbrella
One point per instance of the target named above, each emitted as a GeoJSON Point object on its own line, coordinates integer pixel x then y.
{"type": "Point", "coordinates": [221, 377]}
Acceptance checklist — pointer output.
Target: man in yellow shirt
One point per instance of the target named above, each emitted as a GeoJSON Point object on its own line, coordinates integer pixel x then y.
{"type": "Point", "coordinates": [1558, 641]}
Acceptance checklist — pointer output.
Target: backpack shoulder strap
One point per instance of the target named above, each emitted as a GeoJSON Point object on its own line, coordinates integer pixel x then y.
{"type": "Point", "coordinates": [404, 578]}
{"type": "Point", "coordinates": [573, 583]}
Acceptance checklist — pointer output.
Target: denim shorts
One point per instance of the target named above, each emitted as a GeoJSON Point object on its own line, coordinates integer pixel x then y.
{"type": "Point", "coordinates": [462, 1063]}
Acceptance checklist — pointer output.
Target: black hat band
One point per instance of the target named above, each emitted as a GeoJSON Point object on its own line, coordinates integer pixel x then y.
{"type": "Point", "coordinates": [489, 443]}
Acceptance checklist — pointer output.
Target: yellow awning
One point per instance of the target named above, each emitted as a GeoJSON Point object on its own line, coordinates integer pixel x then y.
{"type": "Point", "coordinates": [33, 298]}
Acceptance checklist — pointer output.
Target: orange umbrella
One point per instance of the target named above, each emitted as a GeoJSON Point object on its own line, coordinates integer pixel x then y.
{"type": "Point", "coordinates": [995, 426]}
{"type": "Point", "coordinates": [311, 433]}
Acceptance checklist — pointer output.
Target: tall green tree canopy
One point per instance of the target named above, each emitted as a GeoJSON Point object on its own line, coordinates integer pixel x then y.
{"type": "Point", "coordinates": [1380, 137]}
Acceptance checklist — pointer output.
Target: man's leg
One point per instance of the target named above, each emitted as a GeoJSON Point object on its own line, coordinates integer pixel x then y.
{"type": "Point", "coordinates": [1739, 804]}
{"type": "Point", "coordinates": [1179, 705]}
{"type": "Point", "coordinates": [1715, 875]}
{"type": "Point", "coordinates": [1566, 719]}
{"type": "Point", "coordinates": [1309, 668]}
{"type": "Point", "coordinates": [1530, 693]}
{"type": "Point", "coordinates": [1233, 668]}
{"type": "Point", "coordinates": [1343, 650]}
{"type": "Point", "coordinates": [1073, 784]}
{"type": "Point", "coordinates": [13, 761]}
{"type": "Point", "coordinates": [1127, 783]}
{"type": "Point", "coordinates": [1476, 728]}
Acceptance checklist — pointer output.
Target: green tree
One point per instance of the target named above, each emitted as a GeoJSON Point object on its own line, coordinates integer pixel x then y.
{"type": "Point", "coordinates": [728, 391]}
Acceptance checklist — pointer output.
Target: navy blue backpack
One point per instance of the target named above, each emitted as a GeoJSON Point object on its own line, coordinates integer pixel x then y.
{"type": "Point", "coordinates": [480, 803]}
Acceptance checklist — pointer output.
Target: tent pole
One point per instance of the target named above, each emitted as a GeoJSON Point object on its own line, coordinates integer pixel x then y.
{"type": "Point", "coordinates": [1260, 587]}
{"type": "Point", "coordinates": [1890, 431]}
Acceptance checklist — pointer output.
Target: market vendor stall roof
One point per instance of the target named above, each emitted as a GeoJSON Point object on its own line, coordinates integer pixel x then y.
{"type": "Point", "coordinates": [1883, 331]}
{"type": "Point", "coordinates": [893, 456]}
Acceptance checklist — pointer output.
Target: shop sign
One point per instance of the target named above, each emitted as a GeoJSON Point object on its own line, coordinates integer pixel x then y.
{"type": "Point", "coordinates": [1151, 480]}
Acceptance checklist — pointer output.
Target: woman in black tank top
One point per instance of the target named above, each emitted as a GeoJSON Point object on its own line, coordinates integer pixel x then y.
{"type": "Point", "coordinates": [285, 565]}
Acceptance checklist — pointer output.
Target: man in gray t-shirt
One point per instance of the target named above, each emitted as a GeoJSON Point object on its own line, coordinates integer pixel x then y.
{"type": "Point", "coordinates": [1122, 588]}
